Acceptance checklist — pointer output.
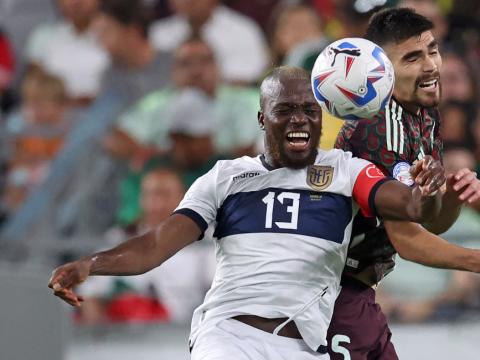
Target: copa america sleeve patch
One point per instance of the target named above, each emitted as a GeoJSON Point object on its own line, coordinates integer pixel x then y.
{"type": "Point", "coordinates": [401, 172]}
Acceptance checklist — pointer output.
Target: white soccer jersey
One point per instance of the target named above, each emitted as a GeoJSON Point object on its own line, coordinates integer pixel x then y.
{"type": "Point", "coordinates": [282, 237]}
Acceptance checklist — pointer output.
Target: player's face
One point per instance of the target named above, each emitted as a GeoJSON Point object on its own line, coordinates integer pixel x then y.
{"type": "Point", "coordinates": [293, 121]}
{"type": "Point", "coordinates": [417, 63]}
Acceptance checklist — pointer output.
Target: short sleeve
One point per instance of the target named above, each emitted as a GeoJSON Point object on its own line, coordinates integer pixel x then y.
{"type": "Point", "coordinates": [37, 43]}
{"type": "Point", "coordinates": [200, 201]}
{"type": "Point", "coordinates": [367, 179]}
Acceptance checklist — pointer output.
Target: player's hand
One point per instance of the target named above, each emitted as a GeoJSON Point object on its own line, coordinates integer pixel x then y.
{"type": "Point", "coordinates": [463, 186]}
{"type": "Point", "coordinates": [429, 175]}
{"type": "Point", "coordinates": [66, 277]}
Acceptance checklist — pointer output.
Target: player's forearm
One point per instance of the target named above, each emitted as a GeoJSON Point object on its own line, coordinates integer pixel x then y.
{"type": "Point", "coordinates": [395, 201]}
{"type": "Point", "coordinates": [132, 257]}
{"type": "Point", "coordinates": [146, 251]}
{"type": "Point", "coordinates": [413, 243]}
{"type": "Point", "coordinates": [447, 216]}
{"type": "Point", "coordinates": [422, 209]}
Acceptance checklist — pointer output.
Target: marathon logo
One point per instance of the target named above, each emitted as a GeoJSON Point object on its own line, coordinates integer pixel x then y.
{"type": "Point", "coordinates": [247, 175]}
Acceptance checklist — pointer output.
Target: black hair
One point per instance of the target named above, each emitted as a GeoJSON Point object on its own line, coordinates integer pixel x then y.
{"type": "Point", "coordinates": [396, 25]}
{"type": "Point", "coordinates": [127, 12]}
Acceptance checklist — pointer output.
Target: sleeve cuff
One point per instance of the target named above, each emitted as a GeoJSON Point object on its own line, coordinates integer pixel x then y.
{"type": "Point", "coordinates": [196, 217]}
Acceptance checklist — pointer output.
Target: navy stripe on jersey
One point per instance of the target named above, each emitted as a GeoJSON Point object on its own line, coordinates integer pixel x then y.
{"type": "Point", "coordinates": [303, 212]}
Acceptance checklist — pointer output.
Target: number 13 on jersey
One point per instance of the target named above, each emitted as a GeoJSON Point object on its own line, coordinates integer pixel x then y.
{"type": "Point", "coordinates": [293, 209]}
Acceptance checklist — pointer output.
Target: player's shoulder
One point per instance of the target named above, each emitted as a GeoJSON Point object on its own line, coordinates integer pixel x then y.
{"type": "Point", "coordinates": [337, 156]}
{"type": "Point", "coordinates": [234, 166]}
{"type": "Point", "coordinates": [392, 111]}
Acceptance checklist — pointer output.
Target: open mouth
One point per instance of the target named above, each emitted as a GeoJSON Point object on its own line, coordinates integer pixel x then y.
{"type": "Point", "coordinates": [430, 85]}
{"type": "Point", "coordinates": [298, 140]}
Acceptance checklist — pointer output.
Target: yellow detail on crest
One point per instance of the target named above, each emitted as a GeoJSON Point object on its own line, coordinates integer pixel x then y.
{"type": "Point", "coordinates": [319, 177]}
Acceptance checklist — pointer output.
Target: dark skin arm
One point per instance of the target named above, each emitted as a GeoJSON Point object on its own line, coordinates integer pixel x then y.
{"type": "Point", "coordinates": [421, 203]}
{"type": "Point", "coordinates": [414, 243]}
{"type": "Point", "coordinates": [133, 257]}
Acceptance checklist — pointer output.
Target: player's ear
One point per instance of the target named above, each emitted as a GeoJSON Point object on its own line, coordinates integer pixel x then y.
{"type": "Point", "coordinates": [261, 120]}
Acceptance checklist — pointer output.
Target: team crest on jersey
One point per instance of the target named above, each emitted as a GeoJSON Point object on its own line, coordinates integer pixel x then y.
{"type": "Point", "coordinates": [319, 177]}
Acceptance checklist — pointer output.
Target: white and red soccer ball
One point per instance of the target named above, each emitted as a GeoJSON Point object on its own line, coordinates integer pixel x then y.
{"type": "Point", "coordinates": [353, 79]}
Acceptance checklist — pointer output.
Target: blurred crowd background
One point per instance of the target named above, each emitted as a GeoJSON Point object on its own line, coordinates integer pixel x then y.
{"type": "Point", "coordinates": [110, 109]}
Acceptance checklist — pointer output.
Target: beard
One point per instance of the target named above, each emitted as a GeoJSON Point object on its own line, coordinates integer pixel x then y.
{"type": "Point", "coordinates": [426, 102]}
{"type": "Point", "coordinates": [299, 163]}
{"type": "Point", "coordinates": [282, 158]}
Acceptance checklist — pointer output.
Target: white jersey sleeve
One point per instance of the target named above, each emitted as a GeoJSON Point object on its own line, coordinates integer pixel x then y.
{"type": "Point", "coordinates": [200, 203]}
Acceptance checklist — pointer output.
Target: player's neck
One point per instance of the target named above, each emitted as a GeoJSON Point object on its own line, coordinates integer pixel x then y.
{"type": "Point", "coordinates": [411, 108]}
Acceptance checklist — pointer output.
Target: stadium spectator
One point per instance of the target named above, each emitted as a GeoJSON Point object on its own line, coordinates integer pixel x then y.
{"type": "Point", "coordinates": [192, 152]}
{"type": "Point", "coordinates": [457, 122]}
{"type": "Point", "coordinates": [169, 293]}
{"type": "Point", "coordinates": [258, 10]}
{"type": "Point", "coordinates": [7, 101]}
{"type": "Point", "coordinates": [80, 196]}
{"type": "Point", "coordinates": [68, 49]}
{"type": "Point", "coordinates": [294, 25]}
{"type": "Point", "coordinates": [458, 80]}
{"type": "Point", "coordinates": [238, 42]}
{"type": "Point", "coordinates": [34, 134]}
{"type": "Point", "coordinates": [143, 130]}
{"type": "Point", "coordinates": [352, 18]}
{"type": "Point", "coordinates": [431, 10]}
{"type": "Point", "coordinates": [7, 67]}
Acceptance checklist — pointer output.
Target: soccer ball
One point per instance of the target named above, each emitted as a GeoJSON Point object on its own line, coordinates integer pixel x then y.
{"type": "Point", "coordinates": [353, 79]}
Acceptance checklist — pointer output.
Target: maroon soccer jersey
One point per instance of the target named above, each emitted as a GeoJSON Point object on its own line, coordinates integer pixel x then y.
{"type": "Point", "coordinates": [393, 136]}
{"type": "Point", "coordinates": [394, 139]}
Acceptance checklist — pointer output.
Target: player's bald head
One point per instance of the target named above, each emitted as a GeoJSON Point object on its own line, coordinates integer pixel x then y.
{"type": "Point", "coordinates": [277, 78]}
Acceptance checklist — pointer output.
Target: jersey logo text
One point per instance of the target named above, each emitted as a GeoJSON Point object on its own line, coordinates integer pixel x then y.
{"type": "Point", "coordinates": [247, 175]}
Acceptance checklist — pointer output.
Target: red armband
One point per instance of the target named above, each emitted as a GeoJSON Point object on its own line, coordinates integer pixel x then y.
{"type": "Point", "coordinates": [366, 185]}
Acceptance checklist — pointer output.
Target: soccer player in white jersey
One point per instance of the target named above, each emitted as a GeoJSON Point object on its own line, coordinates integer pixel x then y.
{"type": "Point", "coordinates": [282, 222]}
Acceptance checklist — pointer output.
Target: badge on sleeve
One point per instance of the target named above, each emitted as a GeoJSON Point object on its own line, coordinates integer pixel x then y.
{"type": "Point", "coordinates": [401, 172]}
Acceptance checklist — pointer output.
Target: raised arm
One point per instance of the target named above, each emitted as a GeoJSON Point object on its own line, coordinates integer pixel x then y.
{"type": "Point", "coordinates": [135, 256]}
{"type": "Point", "coordinates": [420, 203]}
{"type": "Point", "coordinates": [414, 243]}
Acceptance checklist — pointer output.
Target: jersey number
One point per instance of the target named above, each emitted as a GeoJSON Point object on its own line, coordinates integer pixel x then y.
{"type": "Point", "coordinates": [292, 209]}
{"type": "Point", "coordinates": [337, 348]}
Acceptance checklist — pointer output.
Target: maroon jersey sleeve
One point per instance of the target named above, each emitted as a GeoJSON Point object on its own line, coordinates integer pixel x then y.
{"type": "Point", "coordinates": [374, 140]}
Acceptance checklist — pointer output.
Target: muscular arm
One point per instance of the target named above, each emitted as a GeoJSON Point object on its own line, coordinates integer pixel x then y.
{"type": "Point", "coordinates": [135, 256]}
{"type": "Point", "coordinates": [396, 201]}
{"type": "Point", "coordinates": [414, 243]}
{"type": "Point", "coordinates": [145, 252]}
{"type": "Point", "coordinates": [420, 203]}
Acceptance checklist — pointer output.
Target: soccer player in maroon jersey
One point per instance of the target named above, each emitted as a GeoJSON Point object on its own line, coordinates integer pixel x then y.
{"type": "Point", "coordinates": [407, 130]}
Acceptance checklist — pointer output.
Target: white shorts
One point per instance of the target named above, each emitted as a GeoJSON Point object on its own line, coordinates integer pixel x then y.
{"type": "Point", "coordinates": [232, 339]}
